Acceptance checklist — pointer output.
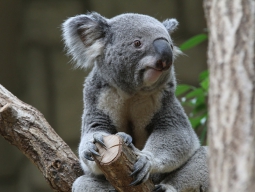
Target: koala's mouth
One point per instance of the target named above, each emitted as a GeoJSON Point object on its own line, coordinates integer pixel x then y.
{"type": "Point", "coordinates": [151, 75]}
{"type": "Point", "coordinates": [153, 72]}
{"type": "Point", "coordinates": [152, 68]}
{"type": "Point", "coordinates": [156, 69]}
{"type": "Point", "coordinates": [162, 65]}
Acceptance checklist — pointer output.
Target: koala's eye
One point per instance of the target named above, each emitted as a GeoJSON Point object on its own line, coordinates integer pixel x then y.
{"type": "Point", "coordinates": [172, 47]}
{"type": "Point", "coordinates": [137, 43]}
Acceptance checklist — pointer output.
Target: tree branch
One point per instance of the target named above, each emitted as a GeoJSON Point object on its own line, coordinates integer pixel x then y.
{"type": "Point", "coordinates": [117, 160]}
{"type": "Point", "coordinates": [26, 128]}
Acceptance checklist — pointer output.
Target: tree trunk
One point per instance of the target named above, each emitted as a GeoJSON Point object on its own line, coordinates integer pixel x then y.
{"type": "Point", "coordinates": [231, 63]}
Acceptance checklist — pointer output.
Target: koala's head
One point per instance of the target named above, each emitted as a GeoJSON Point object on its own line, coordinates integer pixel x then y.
{"type": "Point", "coordinates": [132, 52]}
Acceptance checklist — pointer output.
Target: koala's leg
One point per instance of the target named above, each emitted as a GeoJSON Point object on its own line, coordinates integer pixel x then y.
{"type": "Point", "coordinates": [191, 177]}
{"type": "Point", "coordinates": [87, 183]}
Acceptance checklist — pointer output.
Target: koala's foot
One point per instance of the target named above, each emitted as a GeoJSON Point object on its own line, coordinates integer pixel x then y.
{"type": "Point", "coordinates": [141, 170]}
{"type": "Point", "coordinates": [192, 176]}
{"type": "Point", "coordinates": [88, 183]}
{"type": "Point", "coordinates": [126, 138]}
{"type": "Point", "coordinates": [164, 188]}
{"type": "Point", "coordinates": [90, 148]}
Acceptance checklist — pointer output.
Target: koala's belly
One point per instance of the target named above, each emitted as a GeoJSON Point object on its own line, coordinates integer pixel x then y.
{"type": "Point", "coordinates": [130, 115]}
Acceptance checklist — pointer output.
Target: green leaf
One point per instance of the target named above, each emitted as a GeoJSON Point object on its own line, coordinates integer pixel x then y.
{"type": "Point", "coordinates": [203, 135]}
{"type": "Point", "coordinates": [200, 99]}
{"type": "Point", "coordinates": [202, 107]}
{"type": "Point", "coordinates": [196, 98]}
{"type": "Point", "coordinates": [192, 42]}
{"type": "Point", "coordinates": [182, 89]}
{"type": "Point", "coordinates": [195, 93]}
{"type": "Point", "coordinates": [195, 122]}
{"type": "Point", "coordinates": [203, 75]}
{"type": "Point", "coordinates": [205, 84]}
{"type": "Point", "coordinates": [198, 121]}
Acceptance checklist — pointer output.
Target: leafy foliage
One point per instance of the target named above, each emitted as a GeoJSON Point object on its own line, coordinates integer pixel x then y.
{"type": "Point", "coordinates": [195, 98]}
{"type": "Point", "coordinates": [192, 42]}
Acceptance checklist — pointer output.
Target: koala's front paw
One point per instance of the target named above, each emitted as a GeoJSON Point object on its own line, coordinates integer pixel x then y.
{"type": "Point", "coordinates": [159, 188]}
{"type": "Point", "coordinates": [164, 188]}
{"type": "Point", "coordinates": [126, 138]}
{"type": "Point", "coordinates": [91, 148]}
{"type": "Point", "coordinates": [142, 169]}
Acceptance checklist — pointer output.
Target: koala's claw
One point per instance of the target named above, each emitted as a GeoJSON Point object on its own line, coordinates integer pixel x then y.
{"type": "Point", "coordinates": [136, 182]}
{"type": "Point", "coordinates": [94, 152]}
{"type": "Point", "coordinates": [158, 188]}
{"type": "Point", "coordinates": [141, 171]}
{"type": "Point", "coordinates": [138, 166]}
{"type": "Point", "coordinates": [88, 156]}
{"type": "Point", "coordinates": [99, 139]}
{"type": "Point", "coordinates": [126, 138]}
{"type": "Point", "coordinates": [92, 149]}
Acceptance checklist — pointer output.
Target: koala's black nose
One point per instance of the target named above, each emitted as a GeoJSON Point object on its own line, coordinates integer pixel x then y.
{"type": "Point", "coordinates": [164, 54]}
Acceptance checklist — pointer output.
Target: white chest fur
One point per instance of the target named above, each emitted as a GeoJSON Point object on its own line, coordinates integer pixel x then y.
{"type": "Point", "coordinates": [130, 115]}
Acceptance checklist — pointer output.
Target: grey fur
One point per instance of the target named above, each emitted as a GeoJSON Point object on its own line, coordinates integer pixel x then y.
{"type": "Point", "coordinates": [170, 24]}
{"type": "Point", "coordinates": [124, 94]}
{"type": "Point", "coordinates": [90, 28]}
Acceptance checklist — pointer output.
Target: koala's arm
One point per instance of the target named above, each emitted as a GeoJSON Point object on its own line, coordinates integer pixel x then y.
{"type": "Point", "coordinates": [172, 140]}
{"type": "Point", "coordinates": [95, 124]}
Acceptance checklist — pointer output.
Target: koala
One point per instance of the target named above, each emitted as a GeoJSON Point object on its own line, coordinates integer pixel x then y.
{"type": "Point", "coordinates": [130, 91]}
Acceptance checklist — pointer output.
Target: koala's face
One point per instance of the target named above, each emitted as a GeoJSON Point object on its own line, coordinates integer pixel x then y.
{"type": "Point", "coordinates": [132, 52]}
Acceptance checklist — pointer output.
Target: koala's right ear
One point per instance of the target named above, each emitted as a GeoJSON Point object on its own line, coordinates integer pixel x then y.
{"type": "Point", "coordinates": [84, 37]}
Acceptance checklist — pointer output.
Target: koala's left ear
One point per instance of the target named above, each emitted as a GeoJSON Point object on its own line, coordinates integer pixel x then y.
{"type": "Point", "coordinates": [170, 25]}
{"type": "Point", "coordinates": [85, 38]}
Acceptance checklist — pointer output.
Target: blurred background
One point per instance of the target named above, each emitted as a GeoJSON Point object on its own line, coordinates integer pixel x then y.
{"type": "Point", "coordinates": [34, 67]}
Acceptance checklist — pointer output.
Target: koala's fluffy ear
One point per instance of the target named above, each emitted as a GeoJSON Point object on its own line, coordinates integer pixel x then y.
{"type": "Point", "coordinates": [84, 37]}
{"type": "Point", "coordinates": [170, 25]}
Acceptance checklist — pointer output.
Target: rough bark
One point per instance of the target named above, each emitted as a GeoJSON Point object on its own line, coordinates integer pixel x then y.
{"type": "Point", "coordinates": [26, 128]}
{"type": "Point", "coordinates": [116, 162]}
{"type": "Point", "coordinates": [231, 63]}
